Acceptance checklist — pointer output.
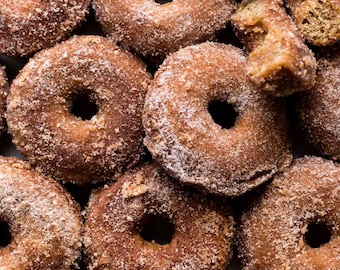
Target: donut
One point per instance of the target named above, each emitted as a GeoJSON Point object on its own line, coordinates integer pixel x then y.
{"type": "Point", "coordinates": [199, 235]}
{"type": "Point", "coordinates": [3, 95]}
{"type": "Point", "coordinates": [295, 223]}
{"type": "Point", "coordinates": [153, 29]}
{"type": "Point", "coordinates": [27, 26]}
{"type": "Point", "coordinates": [278, 62]}
{"type": "Point", "coordinates": [183, 135]}
{"type": "Point", "coordinates": [41, 227]}
{"type": "Point", "coordinates": [319, 108]}
{"type": "Point", "coordinates": [317, 20]}
{"type": "Point", "coordinates": [62, 141]}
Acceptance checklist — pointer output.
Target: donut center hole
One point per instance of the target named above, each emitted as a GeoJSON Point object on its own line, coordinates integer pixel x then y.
{"type": "Point", "coordinates": [317, 234]}
{"type": "Point", "coordinates": [5, 234]}
{"type": "Point", "coordinates": [162, 2]}
{"type": "Point", "coordinates": [158, 229]}
{"type": "Point", "coordinates": [223, 113]}
{"type": "Point", "coordinates": [83, 106]}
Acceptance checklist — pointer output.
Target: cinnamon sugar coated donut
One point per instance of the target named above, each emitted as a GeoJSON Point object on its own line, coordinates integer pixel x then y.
{"type": "Point", "coordinates": [43, 221]}
{"type": "Point", "coordinates": [56, 139]}
{"type": "Point", "coordinates": [296, 222]}
{"type": "Point", "coordinates": [118, 214]}
{"type": "Point", "coordinates": [319, 108]}
{"type": "Point", "coordinates": [182, 135]}
{"type": "Point", "coordinates": [318, 20]}
{"type": "Point", "coordinates": [3, 95]}
{"type": "Point", "coordinates": [279, 61]}
{"type": "Point", "coordinates": [153, 29]}
{"type": "Point", "coordinates": [27, 26]}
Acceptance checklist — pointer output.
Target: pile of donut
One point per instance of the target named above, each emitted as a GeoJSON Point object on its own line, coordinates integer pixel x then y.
{"type": "Point", "coordinates": [184, 164]}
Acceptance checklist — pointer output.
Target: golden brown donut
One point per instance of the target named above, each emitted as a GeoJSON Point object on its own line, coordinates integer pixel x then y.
{"type": "Point", "coordinates": [278, 62]}
{"type": "Point", "coordinates": [118, 214]}
{"type": "Point", "coordinates": [182, 135]}
{"type": "Point", "coordinates": [43, 221]}
{"type": "Point", "coordinates": [319, 108]}
{"type": "Point", "coordinates": [59, 142]}
{"type": "Point", "coordinates": [27, 26]}
{"type": "Point", "coordinates": [318, 20]}
{"type": "Point", "coordinates": [153, 29]}
{"type": "Point", "coordinates": [3, 95]}
{"type": "Point", "coordinates": [279, 230]}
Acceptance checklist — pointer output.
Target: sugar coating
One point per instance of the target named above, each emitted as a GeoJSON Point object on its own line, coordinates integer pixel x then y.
{"type": "Point", "coordinates": [182, 136]}
{"type": "Point", "coordinates": [116, 214]}
{"type": "Point", "coordinates": [44, 221]}
{"type": "Point", "coordinates": [318, 20]}
{"type": "Point", "coordinates": [29, 26]}
{"type": "Point", "coordinates": [272, 228]}
{"type": "Point", "coordinates": [57, 142]}
{"type": "Point", "coordinates": [279, 61]}
{"type": "Point", "coordinates": [3, 95]}
{"type": "Point", "coordinates": [319, 108]}
{"type": "Point", "coordinates": [152, 29]}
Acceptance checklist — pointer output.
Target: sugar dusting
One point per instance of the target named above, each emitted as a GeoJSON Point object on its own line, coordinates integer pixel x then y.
{"type": "Point", "coordinates": [149, 28]}
{"type": "Point", "coordinates": [279, 61]}
{"type": "Point", "coordinates": [319, 107]}
{"type": "Point", "coordinates": [182, 136]}
{"type": "Point", "coordinates": [3, 96]}
{"type": "Point", "coordinates": [28, 27]}
{"type": "Point", "coordinates": [273, 227]}
{"type": "Point", "coordinates": [57, 142]}
{"type": "Point", "coordinates": [44, 221]}
{"type": "Point", "coordinates": [203, 227]}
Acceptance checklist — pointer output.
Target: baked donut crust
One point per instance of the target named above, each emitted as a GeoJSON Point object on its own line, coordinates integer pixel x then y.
{"type": "Point", "coordinates": [57, 142]}
{"type": "Point", "coordinates": [279, 61]}
{"type": "Point", "coordinates": [3, 96]}
{"type": "Point", "coordinates": [27, 26]}
{"type": "Point", "coordinates": [317, 20]}
{"type": "Point", "coordinates": [203, 227]}
{"type": "Point", "coordinates": [319, 108]}
{"type": "Point", "coordinates": [185, 140]}
{"type": "Point", "coordinates": [273, 228]}
{"type": "Point", "coordinates": [152, 29]}
{"type": "Point", "coordinates": [44, 221]}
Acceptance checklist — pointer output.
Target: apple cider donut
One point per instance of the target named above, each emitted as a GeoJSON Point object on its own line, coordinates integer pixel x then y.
{"type": "Point", "coordinates": [121, 219]}
{"type": "Point", "coordinates": [41, 225]}
{"type": "Point", "coordinates": [295, 224]}
{"type": "Point", "coordinates": [153, 29]}
{"type": "Point", "coordinates": [27, 26]}
{"type": "Point", "coordinates": [3, 95]}
{"type": "Point", "coordinates": [61, 141]}
{"type": "Point", "coordinates": [278, 62]}
{"type": "Point", "coordinates": [319, 108]}
{"type": "Point", "coordinates": [182, 134]}
{"type": "Point", "coordinates": [318, 20]}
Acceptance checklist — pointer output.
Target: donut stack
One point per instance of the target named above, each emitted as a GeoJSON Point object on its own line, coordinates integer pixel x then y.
{"type": "Point", "coordinates": [168, 134]}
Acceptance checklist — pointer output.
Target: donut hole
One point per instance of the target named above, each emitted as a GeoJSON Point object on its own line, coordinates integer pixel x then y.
{"type": "Point", "coordinates": [162, 2]}
{"type": "Point", "coordinates": [317, 234]}
{"type": "Point", "coordinates": [223, 113]}
{"type": "Point", "coordinates": [5, 234]}
{"type": "Point", "coordinates": [157, 229]}
{"type": "Point", "coordinates": [83, 105]}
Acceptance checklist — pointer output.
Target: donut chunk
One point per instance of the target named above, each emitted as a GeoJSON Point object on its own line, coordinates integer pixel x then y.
{"type": "Point", "coordinates": [182, 135]}
{"type": "Point", "coordinates": [43, 221]}
{"type": "Point", "coordinates": [117, 215]}
{"type": "Point", "coordinates": [27, 26]}
{"type": "Point", "coordinates": [153, 29]}
{"type": "Point", "coordinates": [317, 20]}
{"type": "Point", "coordinates": [276, 232]}
{"type": "Point", "coordinates": [56, 140]}
{"type": "Point", "coordinates": [319, 108]}
{"type": "Point", "coordinates": [278, 62]}
{"type": "Point", "coordinates": [3, 95]}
